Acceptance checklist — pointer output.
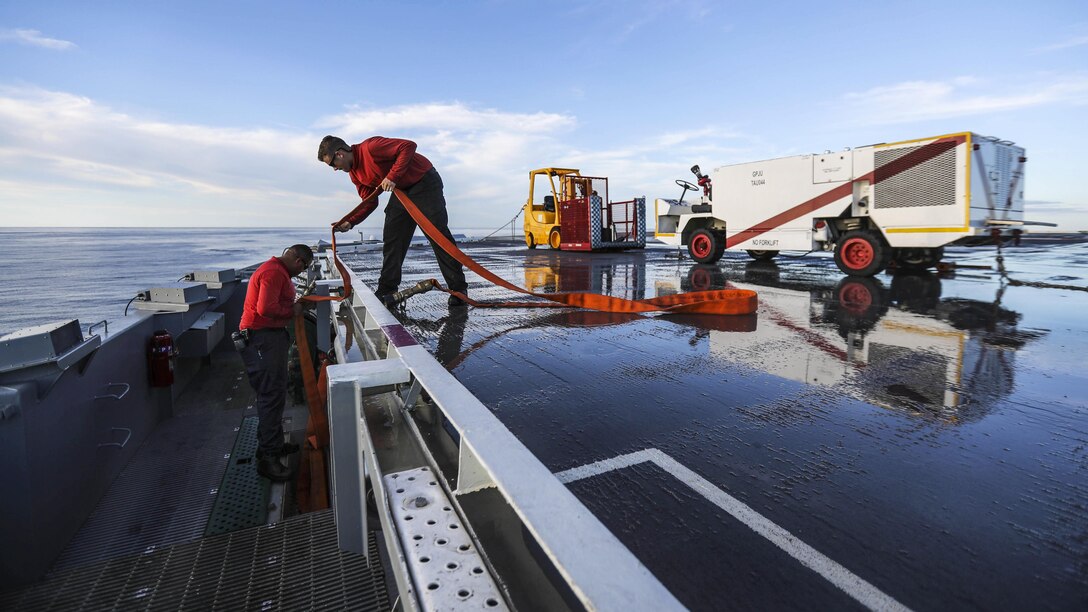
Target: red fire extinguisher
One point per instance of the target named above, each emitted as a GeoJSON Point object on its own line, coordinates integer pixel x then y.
{"type": "Point", "coordinates": [160, 359]}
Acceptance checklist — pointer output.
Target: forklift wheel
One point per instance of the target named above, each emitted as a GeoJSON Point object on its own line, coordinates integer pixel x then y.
{"type": "Point", "coordinates": [554, 239]}
{"type": "Point", "coordinates": [529, 242]}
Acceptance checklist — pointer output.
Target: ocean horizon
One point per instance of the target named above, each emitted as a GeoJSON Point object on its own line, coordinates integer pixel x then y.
{"type": "Point", "coordinates": [90, 274]}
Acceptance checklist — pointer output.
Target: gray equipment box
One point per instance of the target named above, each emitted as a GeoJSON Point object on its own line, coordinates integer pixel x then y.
{"type": "Point", "coordinates": [60, 343]}
{"type": "Point", "coordinates": [215, 279]}
{"type": "Point", "coordinates": [179, 293]}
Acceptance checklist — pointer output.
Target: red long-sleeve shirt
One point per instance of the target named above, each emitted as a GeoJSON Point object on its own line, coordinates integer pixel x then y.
{"type": "Point", "coordinates": [270, 298]}
{"type": "Point", "coordinates": [378, 158]}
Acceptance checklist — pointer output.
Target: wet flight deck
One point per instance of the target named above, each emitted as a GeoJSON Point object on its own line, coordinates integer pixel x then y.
{"type": "Point", "coordinates": [906, 441]}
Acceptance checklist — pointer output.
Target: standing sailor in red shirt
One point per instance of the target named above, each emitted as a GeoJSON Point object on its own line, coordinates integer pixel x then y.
{"type": "Point", "coordinates": [380, 164]}
{"type": "Point", "coordinates": [270, 305]}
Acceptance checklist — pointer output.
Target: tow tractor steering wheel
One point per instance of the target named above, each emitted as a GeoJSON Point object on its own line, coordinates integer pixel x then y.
{"type": "Point", "coordinates": [687, 187]}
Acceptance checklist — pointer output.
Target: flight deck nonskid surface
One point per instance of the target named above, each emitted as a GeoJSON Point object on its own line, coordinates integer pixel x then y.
{"type": "Point", "coordinates": [911, 440]}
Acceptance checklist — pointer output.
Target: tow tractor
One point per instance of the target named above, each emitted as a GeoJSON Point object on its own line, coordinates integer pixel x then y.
{"type": "Point", "coordinates": [898, 203]}
{"type": "Point", "coordinates": [578, 216]}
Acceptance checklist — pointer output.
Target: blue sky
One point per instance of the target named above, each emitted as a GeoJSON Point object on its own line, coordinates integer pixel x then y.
{"type": "Point", "coordinates": [209, 113]}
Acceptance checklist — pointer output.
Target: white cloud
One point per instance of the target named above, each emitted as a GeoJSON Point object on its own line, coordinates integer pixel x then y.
{"type": "Point", "coordinates": [34, 38]}
{"type": "Point", "coordinates": [441, 116]}
{"type": "Point", "coordinates": [619, 21]}
{"type": "Point", "coordinates": [58, 141]}
{"type": "Point", "coordinates": [1076, 41]}
{"type": "Point", "coordinates": [70, 159]}
{"type": "Point", "coordinates": [927, 100]}
{"type": "Point", "coordinates": [484, 155]}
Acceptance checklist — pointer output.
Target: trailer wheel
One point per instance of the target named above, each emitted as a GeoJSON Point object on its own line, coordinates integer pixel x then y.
{"type": "Point", "coordinates": [529, 241]}
{"type": "Point", "coordinates": [861, 253]}
{"type": "Point", "coordinates": [554, 239]}
{"type": "Point", "coordinates": [706, 246]}
{"type": "Point", "coordinates": [762, 255]}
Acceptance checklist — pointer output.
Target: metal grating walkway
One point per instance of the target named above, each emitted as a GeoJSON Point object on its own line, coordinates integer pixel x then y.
{"type": "Point", "coordinates": [242, 498]}
{"type": "Point", "coordinates": [292, 565]}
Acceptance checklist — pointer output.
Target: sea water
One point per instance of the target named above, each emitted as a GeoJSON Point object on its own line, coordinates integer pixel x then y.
{"type": "Point", "coordinates": [58, 274]}
{"type": "Point", "coordinates": [90, 274]}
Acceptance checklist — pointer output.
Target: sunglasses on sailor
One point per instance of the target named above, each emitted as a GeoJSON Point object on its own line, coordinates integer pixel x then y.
{"type": "Point", "coordinates": [302, 260]}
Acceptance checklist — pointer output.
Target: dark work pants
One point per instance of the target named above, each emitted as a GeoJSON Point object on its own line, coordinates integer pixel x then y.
{"type": "Point", "coordinates": [266, 364]}
{"type": "Point", "coordinates": [399, 227]}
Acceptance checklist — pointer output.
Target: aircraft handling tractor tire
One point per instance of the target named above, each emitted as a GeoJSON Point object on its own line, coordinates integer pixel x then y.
{"type": "Point", "coordinates": [861, 253]}
{"type": "Point", "coordinates": [529, 241]}
{"type": "Point", "coordinates": [706, 246]}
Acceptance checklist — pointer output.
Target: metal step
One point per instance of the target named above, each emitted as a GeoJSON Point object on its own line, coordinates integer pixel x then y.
{"type": "Point", "coordinates": [447, 569]}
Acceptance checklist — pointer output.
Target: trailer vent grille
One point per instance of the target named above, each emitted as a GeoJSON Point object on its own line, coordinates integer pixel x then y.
{"type": "Point", "coordinates": [1003, 179]}
{"type": "Point", "coordinates": [930, 183]}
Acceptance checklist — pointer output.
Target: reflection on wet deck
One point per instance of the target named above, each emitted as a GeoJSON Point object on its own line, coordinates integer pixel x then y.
{"type": "Point", "coordinates": [926, 434]}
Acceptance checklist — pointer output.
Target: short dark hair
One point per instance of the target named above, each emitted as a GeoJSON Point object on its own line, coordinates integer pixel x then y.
{"type": "Point", "coordinates": [330, 145]}
{"type": "Point", "coordinates": [302, 251]}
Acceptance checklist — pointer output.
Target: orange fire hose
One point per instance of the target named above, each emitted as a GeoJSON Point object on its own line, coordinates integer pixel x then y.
{"type": "Point", "coordinates": [312, 486]}
{"type": "Point", "coordinates": [721, 301]}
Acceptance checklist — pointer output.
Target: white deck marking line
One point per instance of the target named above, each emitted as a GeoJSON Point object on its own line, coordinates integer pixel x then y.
{"type": "Point", "coordinates": [853, 585]}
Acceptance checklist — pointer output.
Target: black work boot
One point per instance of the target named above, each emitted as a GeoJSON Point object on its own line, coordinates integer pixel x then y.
{"type": "Point", "coordinates": [456, 302]}
{"type": "Point", "coordinates": [288, 448]}
{"type": "Point", "coordinates": [272, 469]}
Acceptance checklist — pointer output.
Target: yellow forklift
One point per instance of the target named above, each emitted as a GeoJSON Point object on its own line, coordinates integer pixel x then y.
{"type": "Point", "coordinates": [577, 216]}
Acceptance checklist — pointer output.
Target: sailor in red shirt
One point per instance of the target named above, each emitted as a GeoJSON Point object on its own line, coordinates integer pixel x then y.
{"type": "Point", "coordinates": [380, 164]}
{"type": "Point", "coordinates": [270, 305]}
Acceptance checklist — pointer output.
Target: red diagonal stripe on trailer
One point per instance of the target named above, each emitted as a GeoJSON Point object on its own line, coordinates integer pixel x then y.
{"type": "Point", "coordinates": [882, 173]}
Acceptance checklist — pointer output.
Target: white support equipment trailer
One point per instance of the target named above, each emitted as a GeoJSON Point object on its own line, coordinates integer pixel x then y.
{"type": "Point", "coordinates": [871, 205]}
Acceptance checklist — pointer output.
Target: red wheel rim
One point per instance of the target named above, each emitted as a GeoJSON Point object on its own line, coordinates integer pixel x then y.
{"type": "Point", "coordinates": [700, 246]}
{"type": "Point", "coordinates": [855, 298]}
{"type": "Point", "coordinates": [857, 253]}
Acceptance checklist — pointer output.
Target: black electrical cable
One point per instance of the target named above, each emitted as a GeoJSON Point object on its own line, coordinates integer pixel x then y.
{"type": "Point", "coordinates": [130, 303]}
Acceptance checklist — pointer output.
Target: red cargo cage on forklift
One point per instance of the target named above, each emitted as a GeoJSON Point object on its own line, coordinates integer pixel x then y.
{"type": "Point", "coordinates": [578, 216]}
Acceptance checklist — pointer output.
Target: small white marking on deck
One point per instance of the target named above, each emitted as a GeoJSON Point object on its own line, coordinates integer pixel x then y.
{"type": "Point", "coordinates": [853, 585]}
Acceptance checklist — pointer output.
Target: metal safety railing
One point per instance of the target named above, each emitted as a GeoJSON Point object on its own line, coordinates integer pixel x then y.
{"type": "Point", "coordinates": [470, 517]}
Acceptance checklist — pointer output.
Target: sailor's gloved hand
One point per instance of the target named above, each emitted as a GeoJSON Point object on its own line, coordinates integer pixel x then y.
{"type": "Point", "coordinates": [388, 186]}
{"type": "Point", "coordinates": [342, 226]}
